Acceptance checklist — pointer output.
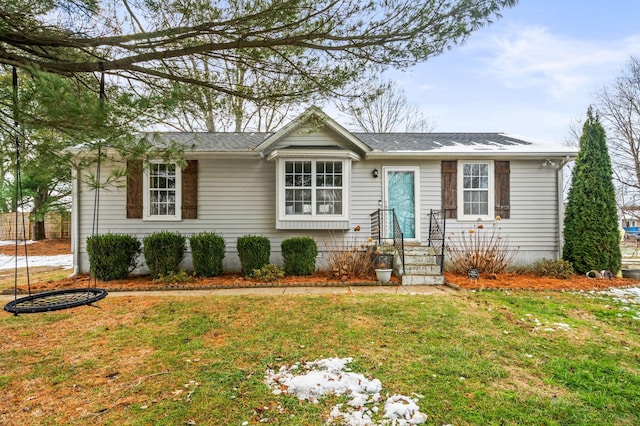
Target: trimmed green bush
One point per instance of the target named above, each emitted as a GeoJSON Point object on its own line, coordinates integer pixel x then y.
{"type": "Point", "coordinates": [254, 252]}
{"type": "Point", "coordinates": [299, 254]}
{"type": "Point", "coordinates": [207, 252]}
{"type": "Point", "coordinates": [553, 268]}
{"type": "Point", "coordinates": [163, 252]}
{"type": "Point", "coordinates": [112, 256]}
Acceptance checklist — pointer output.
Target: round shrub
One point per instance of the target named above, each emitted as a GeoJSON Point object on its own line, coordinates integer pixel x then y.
{"type": "Point", "coordinates": [163, 252]}
{"type": "Point", "coordinates": [112, 256]}
{"type": "Point", "coordinates": [207, 252]}
{"type": "Point", "coordinates": [254, 252]}
{"type": "Point", "coordinates": [299, 254]}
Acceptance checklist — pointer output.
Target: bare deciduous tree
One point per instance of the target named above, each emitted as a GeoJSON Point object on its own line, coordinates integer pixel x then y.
{"type": "Point", "coordinates": [619, 106]}
{"type": "Point", "coordinates": [383, 107]}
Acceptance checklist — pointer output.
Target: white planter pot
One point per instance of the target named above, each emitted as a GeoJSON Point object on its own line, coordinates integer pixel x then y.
{"type": "Point", "coordinates": [383, 275]}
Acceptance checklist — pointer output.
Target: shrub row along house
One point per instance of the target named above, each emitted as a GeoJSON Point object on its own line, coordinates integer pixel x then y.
{"type": "Point", "coordinates": [315, 178]}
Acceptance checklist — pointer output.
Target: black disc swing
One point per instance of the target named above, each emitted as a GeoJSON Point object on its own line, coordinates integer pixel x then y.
{"type": "Point", "coordinates": [57, 299]}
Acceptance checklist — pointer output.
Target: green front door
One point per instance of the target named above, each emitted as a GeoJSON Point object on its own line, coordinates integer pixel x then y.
{"type": "Point", "coordinates": [401, 195]}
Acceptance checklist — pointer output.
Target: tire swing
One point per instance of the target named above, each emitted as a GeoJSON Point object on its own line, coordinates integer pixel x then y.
{"type": "Point", "coordinates": [57, 299]}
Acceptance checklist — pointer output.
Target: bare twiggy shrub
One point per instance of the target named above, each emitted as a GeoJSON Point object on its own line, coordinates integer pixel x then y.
{"type": "Point", "coordinates": [481, 248]}
{"type": "Point", "coordinates": [350, 255]}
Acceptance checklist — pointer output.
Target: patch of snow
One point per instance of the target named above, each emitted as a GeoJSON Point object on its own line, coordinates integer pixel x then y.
{"type": "Point", "coordinates": [64, 261]}
{"type": "Point", "coordinates": [313, 380]}
{"type": "Point", "coordinates": [400, 407]}
{"type": "Point", "coordinates": [12, 242]}
{"type": "Point", "coordinates": [624, 295]}
{"type": "Point", "coordinates": [561, 326]}
{"type": "Point", "coordinates": [538, 325]}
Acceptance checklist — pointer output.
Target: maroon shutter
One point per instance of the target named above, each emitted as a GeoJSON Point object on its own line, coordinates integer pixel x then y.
{"type": "Point", "coordinates": [134, 189]}
{"type": "Point", "coordinates": [502, 172]}
{"type": "Point", "coordinates": [190, 190]}
{"type": "Point", "coordinates": [450, 188]}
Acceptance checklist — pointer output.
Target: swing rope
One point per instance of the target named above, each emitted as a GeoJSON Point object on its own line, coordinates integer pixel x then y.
{"type": "Point", "coordinates": [18, 193]}
{"type": "Point", "coordinates": [50, 300]}
{"type": "Point", "coordinates": [96, 196]}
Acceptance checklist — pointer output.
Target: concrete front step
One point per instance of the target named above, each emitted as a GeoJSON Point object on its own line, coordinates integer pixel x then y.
{"type": "Point", "coordinates": [421, 267]}
{"type": "Point", "coordinates": [422, 280]}
{"type": "Point", "coordinates": [418, 250]}
{"type": "Point", "coordinates": [431, 269]}
{"type": "Point", "coordinates": [423, 259]}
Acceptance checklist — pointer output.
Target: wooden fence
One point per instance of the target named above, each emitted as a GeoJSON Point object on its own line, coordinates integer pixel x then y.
{"type": "Point", "coordinates": [56, 225]}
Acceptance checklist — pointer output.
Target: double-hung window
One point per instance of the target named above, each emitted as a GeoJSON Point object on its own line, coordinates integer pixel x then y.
{"type": "Point", "coordinates": [313, 189]}
{"type": "Point", "coordinates": [475, 190]}
{"type": "Point", "coordinates": [162, 191]}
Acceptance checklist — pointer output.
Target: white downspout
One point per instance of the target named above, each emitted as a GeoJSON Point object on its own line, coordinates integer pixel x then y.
{"type": "Point", "coordinates": [75, 219]}
{"type": "Point", "coordinates": [560, 183]}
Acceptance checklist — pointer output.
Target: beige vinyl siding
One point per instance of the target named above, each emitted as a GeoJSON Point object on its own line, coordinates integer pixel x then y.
{"type": "Point", "coordinates": [534, 224]}
{"type": "Point", "coordinates": [237, 197]}
{"type": "Point", "coordinates": [309, 137]}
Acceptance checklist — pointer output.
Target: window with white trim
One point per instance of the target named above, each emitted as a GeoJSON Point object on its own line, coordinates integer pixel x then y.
{"type": "Point", "coordinates": [475, 190]}
{"type": "Point", "coordinates": [313, 189]}
{"type": "Point", "coordinates": [162, 191]}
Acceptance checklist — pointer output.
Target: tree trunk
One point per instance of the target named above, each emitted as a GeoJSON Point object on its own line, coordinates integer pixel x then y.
{"type": "Point", "coordinates": [39, 201]}
{"type": "Point", "coordinates": [38, 231]}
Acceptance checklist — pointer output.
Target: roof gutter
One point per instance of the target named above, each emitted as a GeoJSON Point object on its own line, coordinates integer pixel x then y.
{"type": "Point", "coordinates": [378, 155]}
{"type": "Point", "coordinates": [228, 155]}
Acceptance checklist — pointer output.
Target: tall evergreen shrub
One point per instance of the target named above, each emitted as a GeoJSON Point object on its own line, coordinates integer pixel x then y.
{"type": "Point", "coordinates": [591, 233]}
{"type": "Point", "coordinates": [254, 252]}
{"type": "Point", "coordinates": [163, 252]}
{"type": "Point", "coordinates": [299, 255]}
{"type": "Point", "coordinates": [207, 252]}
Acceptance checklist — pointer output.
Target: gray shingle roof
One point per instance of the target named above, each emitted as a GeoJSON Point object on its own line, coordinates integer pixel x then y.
{"type": "Point", "coordinates": [378, 142]}
{"type": "Point", "coordinates": [215, 142]}
{"type": "Point", "coordinates": [388, 142]}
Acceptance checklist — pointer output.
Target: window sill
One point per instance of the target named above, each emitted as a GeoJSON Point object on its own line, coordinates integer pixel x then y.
{"type": "Point", "coordinates": [313, 223]}
{"type": "Point", "coordinates": [162, 219]}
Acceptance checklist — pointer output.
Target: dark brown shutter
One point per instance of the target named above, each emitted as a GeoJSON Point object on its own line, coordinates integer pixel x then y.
{"type": "Point", "coordinates": [503, 171]}
{"type": "Point", "coordinates": [450, 188]}
{"type": "Point", "coordinates": [134, 189]}
{"type": "Point", "coordinates": [190, 190]}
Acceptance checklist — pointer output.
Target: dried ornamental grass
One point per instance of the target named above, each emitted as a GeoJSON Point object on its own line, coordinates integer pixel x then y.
{"type": "Point", "coordinates": [480, 248]}
{"type": "Point", "coordinates": [350, 255]}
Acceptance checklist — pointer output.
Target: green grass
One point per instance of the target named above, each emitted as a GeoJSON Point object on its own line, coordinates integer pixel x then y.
{"type": "Point", "coordinates": [476, 358]}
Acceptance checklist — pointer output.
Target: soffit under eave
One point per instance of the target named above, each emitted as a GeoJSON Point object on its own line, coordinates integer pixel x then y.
{"type": "Point", "coordinates": [320, 153]}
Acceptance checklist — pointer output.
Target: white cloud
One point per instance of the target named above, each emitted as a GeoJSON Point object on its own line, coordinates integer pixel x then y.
{"type": "Point", "coordinates": [532, 56]}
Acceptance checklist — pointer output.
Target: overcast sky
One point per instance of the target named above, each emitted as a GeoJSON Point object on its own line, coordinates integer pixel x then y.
{"type": "Point", "coordinates": [532, 73]}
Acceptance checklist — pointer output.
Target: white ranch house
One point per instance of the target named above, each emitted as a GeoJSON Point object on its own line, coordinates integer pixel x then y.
{"type": "Point", "coordinates": [315, 178]}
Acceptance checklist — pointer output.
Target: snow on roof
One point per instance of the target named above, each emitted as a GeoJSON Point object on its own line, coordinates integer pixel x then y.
{"type": "Point", "coordinates": [457, 143]}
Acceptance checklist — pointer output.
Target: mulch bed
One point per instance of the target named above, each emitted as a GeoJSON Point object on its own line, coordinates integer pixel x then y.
{"type": "Point", "coordinates": [485, 281]}
{"type": "Point", "coordinates": [534, 282]}
{"type": "Point", "coordinates": [145, 283]}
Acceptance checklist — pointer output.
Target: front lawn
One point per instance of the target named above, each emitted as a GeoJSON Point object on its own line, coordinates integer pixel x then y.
{"type": "Point", "coordinates": [469, 358]}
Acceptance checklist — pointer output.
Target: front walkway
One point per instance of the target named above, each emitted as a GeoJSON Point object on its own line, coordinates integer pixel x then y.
{"type": "Point", "coordinates": [292, 291]}
{"type": "Point", "coordinates": [286, 291]}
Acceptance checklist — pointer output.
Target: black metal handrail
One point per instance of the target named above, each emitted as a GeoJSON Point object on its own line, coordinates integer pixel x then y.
{"type": "Point", "coordinates": [379, 222]}
{"type": "Point", "coordinates": [398, 238]}
{"type": "Point", "coordinates": [437, 225]}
